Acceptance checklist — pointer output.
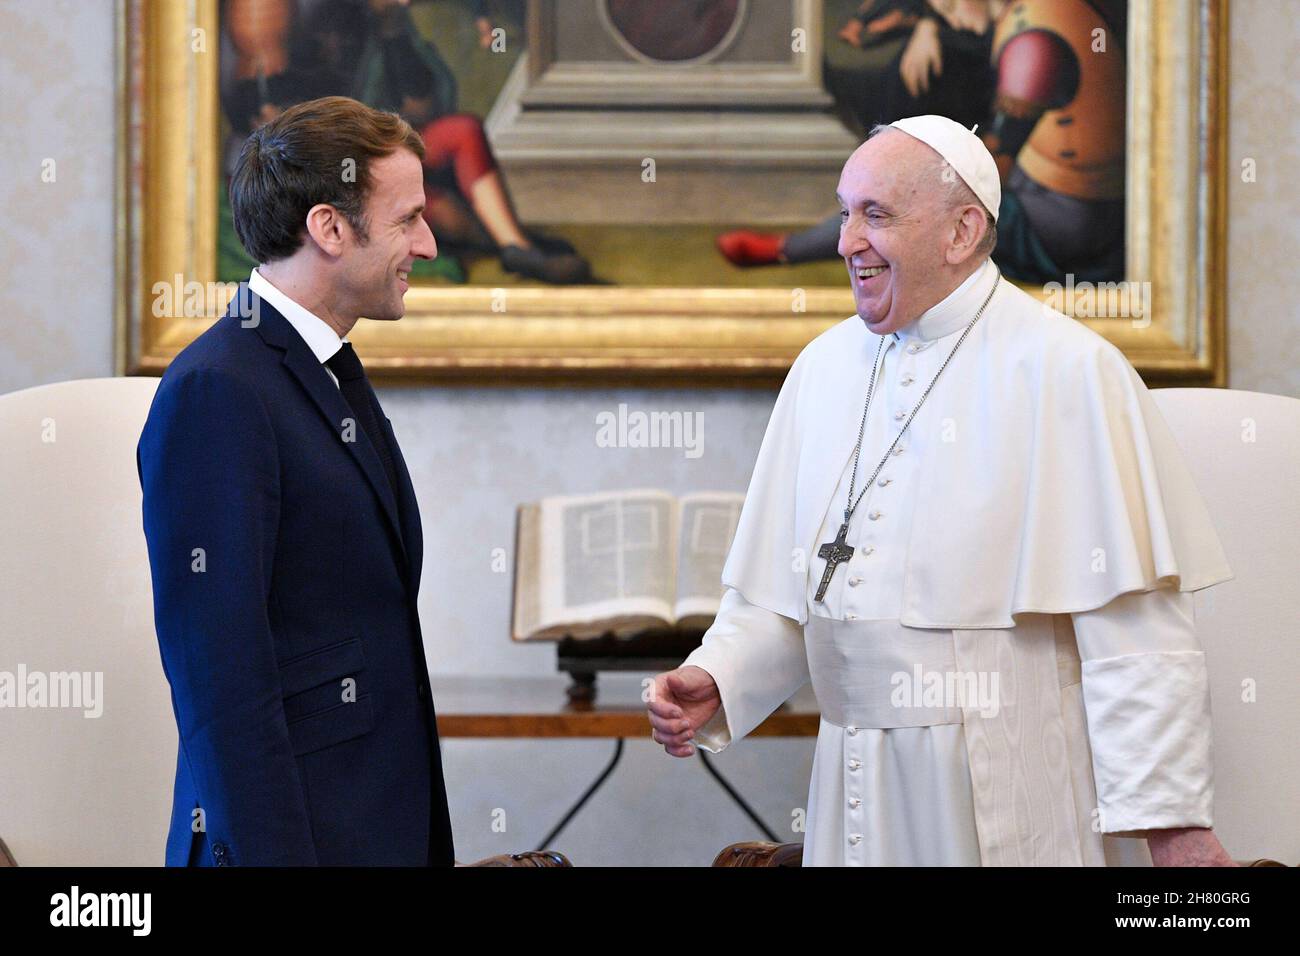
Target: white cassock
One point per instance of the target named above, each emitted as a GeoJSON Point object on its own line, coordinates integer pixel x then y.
{"type": "Point", "coordinates": [1032, 542]}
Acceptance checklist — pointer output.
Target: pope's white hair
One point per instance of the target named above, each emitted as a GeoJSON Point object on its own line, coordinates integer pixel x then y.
{"type": "Point", "coordinates": [955, 193]}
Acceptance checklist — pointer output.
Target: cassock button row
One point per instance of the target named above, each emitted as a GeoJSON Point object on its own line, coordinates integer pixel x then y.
{"type": "Point", "coordinates": [854, 582]}
{"type": "Point", "coordinates": [850, 617]}
{"type": "Point", "coordinates": [867, 550]}
{"type": "Point", "coordinates": [855, 764]}
{"type": "Point", "coordinates": [853, 731]}
{"type": "Point", "coordinates": [884, 481]}
{"type": "Point", "coordinates": [854, 803]}
{"type": "Point", "coordinates": [899, 415]}
{"type": "Point", "coordinates": [874, 516]}
{"type": "Point", "coordinates": [907, 380]}
{"type": "Point", "coordinates": [898, 450]}
{"type": "Point", "coordinates": [855, 839]}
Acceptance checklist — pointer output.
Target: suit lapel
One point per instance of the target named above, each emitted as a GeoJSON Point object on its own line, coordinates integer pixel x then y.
{"type": "Point", "coordinates": [301, 362]}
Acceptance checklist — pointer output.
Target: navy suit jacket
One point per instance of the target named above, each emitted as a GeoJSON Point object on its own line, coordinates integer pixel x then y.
{"type": "Point", "coordinates": [285, 575]}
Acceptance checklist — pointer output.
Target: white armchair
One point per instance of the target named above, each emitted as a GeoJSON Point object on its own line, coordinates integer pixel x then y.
{"type": "Point", "coordinates": [89, 783]}
{"type": "Point", "coordinates": [1243, 449]}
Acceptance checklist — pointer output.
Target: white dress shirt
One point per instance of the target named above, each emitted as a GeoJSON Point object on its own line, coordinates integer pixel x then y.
{"type": "Point", "coordinates": [323, 341]}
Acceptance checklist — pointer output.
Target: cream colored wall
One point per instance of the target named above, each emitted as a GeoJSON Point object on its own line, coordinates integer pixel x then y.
{"type": "Point", "coordinates": [475, 453]}
{"type": "Point", "coordinates": [56, 238]}
{"type": "Point", "coordinates": [1264, 215]}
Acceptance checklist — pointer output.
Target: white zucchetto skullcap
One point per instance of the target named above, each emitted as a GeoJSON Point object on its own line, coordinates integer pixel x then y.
{"type": "Point", "coordinates": [963, 151]}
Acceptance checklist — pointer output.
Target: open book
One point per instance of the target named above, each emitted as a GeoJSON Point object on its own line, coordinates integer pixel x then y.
{"type": "Point", "coordinates": [621, 562]}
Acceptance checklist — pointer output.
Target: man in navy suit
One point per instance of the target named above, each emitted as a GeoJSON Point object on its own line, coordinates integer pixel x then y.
{"type": "Point", "coordinates": [284, 537]}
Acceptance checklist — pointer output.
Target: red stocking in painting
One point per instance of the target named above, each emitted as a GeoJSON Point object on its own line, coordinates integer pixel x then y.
{"type": "Point", "coordinates": [456, 142]}
{"type": "Point", "coordinates": [744, 248]}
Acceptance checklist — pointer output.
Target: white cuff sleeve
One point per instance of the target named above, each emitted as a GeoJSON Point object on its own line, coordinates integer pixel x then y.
{"type": "Point", "coordinates": [1147, 699]}
{"type": "Point", "coordinates": [757, 659]}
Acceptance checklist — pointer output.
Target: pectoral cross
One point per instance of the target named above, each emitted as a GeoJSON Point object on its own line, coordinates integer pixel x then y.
{"type": "Point", "coordinates": [834, 553]}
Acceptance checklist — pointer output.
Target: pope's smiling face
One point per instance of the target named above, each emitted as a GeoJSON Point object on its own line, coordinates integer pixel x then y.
{"type": "Point", "coordinates": [895, 230]}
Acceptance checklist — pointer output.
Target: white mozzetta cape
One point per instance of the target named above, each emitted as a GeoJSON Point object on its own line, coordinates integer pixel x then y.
{"type": "Point", "coordinates": [1051, 483]}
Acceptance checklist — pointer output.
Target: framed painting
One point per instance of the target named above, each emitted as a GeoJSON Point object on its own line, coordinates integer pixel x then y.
{"type": "Point", "coordinates": [626, 192]}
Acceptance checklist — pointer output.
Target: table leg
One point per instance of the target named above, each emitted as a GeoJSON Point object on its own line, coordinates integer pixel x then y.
{"type": "Point", "coordinates": [731, 792]}
{"type": "Point", "coordinates": [609, 768]}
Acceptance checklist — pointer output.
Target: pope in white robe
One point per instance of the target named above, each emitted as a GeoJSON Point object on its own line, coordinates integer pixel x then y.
{"type": "Point", "coordinates": [1007, 664]}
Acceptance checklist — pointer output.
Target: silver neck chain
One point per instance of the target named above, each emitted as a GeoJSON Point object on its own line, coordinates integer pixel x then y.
{"type": "Point", "coordinates": [851, 505]}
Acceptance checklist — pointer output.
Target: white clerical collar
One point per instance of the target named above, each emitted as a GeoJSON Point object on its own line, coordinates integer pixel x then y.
{"type": "Point", "coordinates": [320, 338]}
{"type": "Point", "coordinates": [955, 311]}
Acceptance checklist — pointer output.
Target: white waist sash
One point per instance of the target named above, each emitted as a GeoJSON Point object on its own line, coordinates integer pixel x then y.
{"type": "Point", "coordinates": [874, 674]}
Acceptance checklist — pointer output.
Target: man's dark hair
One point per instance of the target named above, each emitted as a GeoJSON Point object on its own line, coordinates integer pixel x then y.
{"type": "Point", "coordinates": [315, 152]}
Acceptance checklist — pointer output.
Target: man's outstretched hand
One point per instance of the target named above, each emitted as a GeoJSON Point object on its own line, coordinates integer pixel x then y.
{"type": "Point", "coordinates": [681, 702]}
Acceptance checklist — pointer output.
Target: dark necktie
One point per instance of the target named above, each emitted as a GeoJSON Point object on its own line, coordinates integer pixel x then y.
{"type": "Point", "coordinates": [356, 389]}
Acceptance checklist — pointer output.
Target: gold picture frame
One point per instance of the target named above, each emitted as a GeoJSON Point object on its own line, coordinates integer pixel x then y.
{"type": "Point", "coordinates": [166, 226]}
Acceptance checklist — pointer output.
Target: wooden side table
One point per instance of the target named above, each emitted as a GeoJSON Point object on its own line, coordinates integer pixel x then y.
{"type": "Point", "coordinates": [538, 707]}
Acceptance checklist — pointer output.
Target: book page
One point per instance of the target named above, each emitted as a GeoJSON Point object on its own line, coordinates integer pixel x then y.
{"type": "Point", "coordinates": [525, 618]}
{"type": "Point", "coordinates": [708, 524]}
{"type": "Point", "coordinates": [607, 562]}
